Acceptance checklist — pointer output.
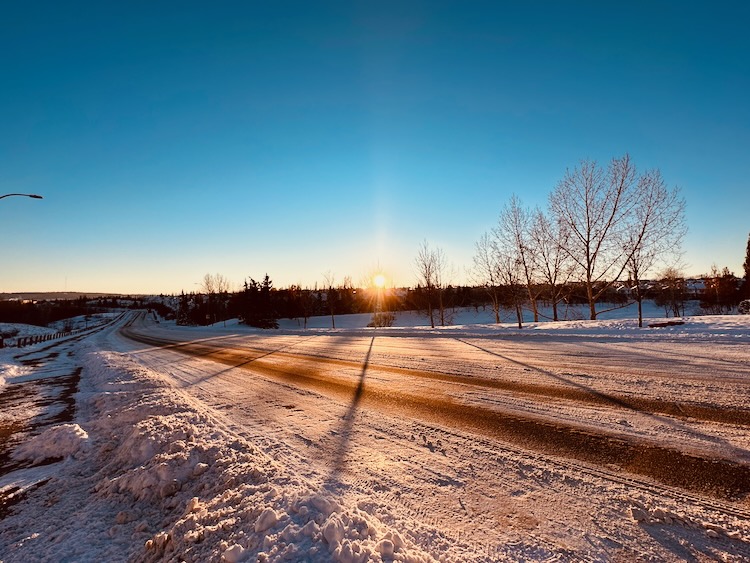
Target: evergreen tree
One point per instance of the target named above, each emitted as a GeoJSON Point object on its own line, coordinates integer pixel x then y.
{"type": "Point", "coordinates": [183, 310]}
{"type": "Point", "coordinates": [258, 307]}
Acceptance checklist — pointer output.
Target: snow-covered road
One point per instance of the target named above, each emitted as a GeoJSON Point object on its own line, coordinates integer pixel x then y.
{"type": "Point", "coordinates": [616, 408]}
{"type": "Point", "coordinates": [596, 443]}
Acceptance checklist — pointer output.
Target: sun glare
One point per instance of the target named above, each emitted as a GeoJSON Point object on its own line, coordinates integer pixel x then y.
{"type": "Point", "coordinates": [379, 281]}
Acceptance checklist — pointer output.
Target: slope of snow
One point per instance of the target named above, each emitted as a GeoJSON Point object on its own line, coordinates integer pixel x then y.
{"type": "Point", "coordinates": [25, 330]}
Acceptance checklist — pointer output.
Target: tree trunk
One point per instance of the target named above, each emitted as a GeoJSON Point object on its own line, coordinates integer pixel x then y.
{"type": "Point", "coordinates": [592, 302]}
{"type": "Point", "coordinates": [440, 305]}
{"type": "Point", "coordinates": [638, 298]}
{"type": "Point", "coordinates": [640, 310]}
{"type": "Point", "coordinates": [534, 307]}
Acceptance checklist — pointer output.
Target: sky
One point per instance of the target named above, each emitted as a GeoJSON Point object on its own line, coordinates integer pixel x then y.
{"type": "Point", "coordinates": [174, 139]}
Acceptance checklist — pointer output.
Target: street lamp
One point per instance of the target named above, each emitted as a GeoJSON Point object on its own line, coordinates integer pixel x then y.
{"type": "Point", "coordinates": [34, 196]}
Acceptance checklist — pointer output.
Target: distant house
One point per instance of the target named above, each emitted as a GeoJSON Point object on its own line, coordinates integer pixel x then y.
{"type": "Point", "coordinates": [695, 287]}
{"type": "Point", "coordinates": [623, 289]}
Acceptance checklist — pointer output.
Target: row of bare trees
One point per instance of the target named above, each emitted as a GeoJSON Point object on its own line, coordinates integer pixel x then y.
{"type": "Point", "coordinates": [601, 224]}
{"type": "Point", "coordinates": [433, 275]}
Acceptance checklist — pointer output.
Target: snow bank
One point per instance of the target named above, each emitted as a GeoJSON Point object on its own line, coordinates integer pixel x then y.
{"type": "Point", "coordinates": [59, 441]}
{"type": "Point", "coordinates": [170, 483]}
{"type": "Point", "coordinates": [10, 371]}
{"type": "Point", "coordinates": [20, 330]}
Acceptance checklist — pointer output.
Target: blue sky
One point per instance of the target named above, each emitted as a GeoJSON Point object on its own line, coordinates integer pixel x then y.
{"type": "Point", "coordinates": [175, 139]}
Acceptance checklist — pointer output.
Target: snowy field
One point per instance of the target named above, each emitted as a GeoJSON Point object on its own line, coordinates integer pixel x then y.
{"type": "Point", "coordinates": [484, 315]}
{"type": "Point", "coordinates": [575, 441]}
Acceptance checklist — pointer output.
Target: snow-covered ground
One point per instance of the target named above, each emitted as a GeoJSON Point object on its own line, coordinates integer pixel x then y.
{"type": "Point", "coordinates": [483, 315]}
{"type": "Point", "coordinates": [584, 440]}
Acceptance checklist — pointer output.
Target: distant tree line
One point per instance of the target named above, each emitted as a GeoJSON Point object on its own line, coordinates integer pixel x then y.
{"type": "Point", "coordinates": [260, 304]}
{"type": "Point", "coordinates": [44, 312]}
{"type": "Point", "coordinates": [526, 262]}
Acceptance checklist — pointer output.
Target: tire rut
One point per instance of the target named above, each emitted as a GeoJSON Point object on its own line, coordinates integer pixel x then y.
{"type": "Point", "coordinates": [718, 477]}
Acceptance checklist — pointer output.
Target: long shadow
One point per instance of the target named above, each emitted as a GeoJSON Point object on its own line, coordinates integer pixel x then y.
{"type": "Point", "coordinates": [297, 374]}
{"type": "Point", "coordinates": [307, 377]}
{"type": "Point", "coordinates": [344, 432]}
{"type": "Point", "coordinates": [668, 356]}
{"type": "Point", "coordinates": [605, 398]}
{"type": "Point", "coordinates": [185, 348]}
{"type": "Point", "coordinates": [588, 390]}
{"type": "Point", "coordinates": [577, 392]}
{"type": "Point", "coordinates": [240, 364]}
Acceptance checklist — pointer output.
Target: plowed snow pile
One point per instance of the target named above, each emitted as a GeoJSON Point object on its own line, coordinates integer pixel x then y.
{"type": "Point", "coordinates": [168, 482]}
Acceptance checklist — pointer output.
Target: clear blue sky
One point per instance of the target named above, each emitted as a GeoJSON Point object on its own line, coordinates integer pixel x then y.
{"type": "Point", "coordinates": [175, 139]}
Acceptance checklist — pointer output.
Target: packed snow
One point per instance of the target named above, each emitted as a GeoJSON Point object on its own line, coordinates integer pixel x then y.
{"type": "Point", "coordinates": [176, 457]}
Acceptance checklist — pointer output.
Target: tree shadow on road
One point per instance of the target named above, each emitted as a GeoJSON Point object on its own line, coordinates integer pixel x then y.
{"type": "Point", "coordinates": [344, 432]}
{"type": "Point", "coordinates": [620, 402]}
{"type": "Point", "coordinates": [184, 349]}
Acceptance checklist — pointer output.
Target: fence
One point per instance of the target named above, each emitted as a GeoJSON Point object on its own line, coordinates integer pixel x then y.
{"type": "Point", "coordinates": [22, 341]}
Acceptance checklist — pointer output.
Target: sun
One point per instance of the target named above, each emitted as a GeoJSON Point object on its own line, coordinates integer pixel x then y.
{"type": "Point", "coordinates": [379, 281]}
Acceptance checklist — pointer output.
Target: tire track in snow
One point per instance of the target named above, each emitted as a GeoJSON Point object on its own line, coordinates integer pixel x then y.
{"type": "Point", "coordinates": [716, 476]}
{"type": "Point", "coordinates": [570, 391]}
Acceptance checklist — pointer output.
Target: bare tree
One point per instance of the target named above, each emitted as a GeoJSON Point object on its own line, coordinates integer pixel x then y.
{"type": "Point", "coordinates": [302, 302]}
{"type": "Point", "coordinates": [595, 205]}
{"type": "Point", "coordinates": [486, 271]}
{"type": "Point", "coordinates": [672, 292]}
{"type": "Point", "coordinates": [443, 274]}
{"type": "Point", "coordinates": [424, 265]}
{"type": "Point", "coordinates": [513, 233]}
{"type": "Point", "coordinates": [433, 273]}
{"type": "Point", "coordinates": [208, 286]}
{"type": "Point", "coordinates": [548, 238]}
{"type": "Point", "coordinates": [510, 269]}
{"type": "Point", "coordinates": [221, 286]}
{"type": "Point", "coordinates": [656, 228]}
{"type": "Point", "coordinates": [329, 280]}
{"type": "Point", "coordinates": [216, 288]}
{"type": "Point", "coordinates": [508, 248]}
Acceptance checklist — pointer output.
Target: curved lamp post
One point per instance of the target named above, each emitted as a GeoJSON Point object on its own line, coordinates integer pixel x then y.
{"type": "Point", "coordinates": [23, 195]}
